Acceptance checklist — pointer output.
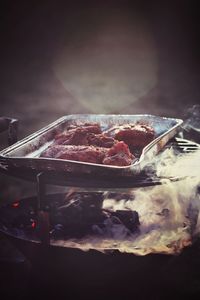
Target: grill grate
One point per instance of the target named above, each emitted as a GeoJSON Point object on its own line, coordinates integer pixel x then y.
{"type": "Point", "coordinates": [183, 146]}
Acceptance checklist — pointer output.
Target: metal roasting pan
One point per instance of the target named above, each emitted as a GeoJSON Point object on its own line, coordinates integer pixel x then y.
{"type": "Point", "coordinates": [23, 156]}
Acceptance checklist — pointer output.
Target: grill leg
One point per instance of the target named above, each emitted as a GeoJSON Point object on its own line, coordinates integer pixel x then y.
{"type": "Point", "coordinates": [43, 215]}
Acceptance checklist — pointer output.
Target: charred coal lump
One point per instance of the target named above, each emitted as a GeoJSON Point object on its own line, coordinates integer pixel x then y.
{"type": "Point", "coordinates": [75, 215]}
{"type": "Point", "coordinates": [87, 143]}
{"type": "Point", "coordinates": [83, 215]}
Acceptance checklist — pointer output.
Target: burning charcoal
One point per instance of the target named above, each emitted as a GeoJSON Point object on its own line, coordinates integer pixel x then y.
{"type": "Point", "coordinates": [120, 223]}
{"type": "Point", "coordinates": [24, 221]}
{"type": "Point", "coordinates": [72, 223]}
{"type": "Point", "coordinates": [80, 214]}
{"type": "Point", "coordinates": [129, 218]}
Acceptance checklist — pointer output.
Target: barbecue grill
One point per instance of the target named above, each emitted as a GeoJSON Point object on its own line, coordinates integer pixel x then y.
{"type": "Point", "coordinates": [32, 232]}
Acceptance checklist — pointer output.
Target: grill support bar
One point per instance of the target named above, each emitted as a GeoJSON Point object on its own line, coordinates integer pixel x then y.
{"type": "Point", "coordinates": [43, 214]}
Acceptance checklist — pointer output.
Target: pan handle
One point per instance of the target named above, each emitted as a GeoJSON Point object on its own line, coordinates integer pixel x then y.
{"type": "Point", "coordinates": [11, 125]}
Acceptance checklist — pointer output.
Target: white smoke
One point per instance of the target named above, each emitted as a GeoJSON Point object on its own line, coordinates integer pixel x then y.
{"type": "Point", "coordinates": [168, 213]}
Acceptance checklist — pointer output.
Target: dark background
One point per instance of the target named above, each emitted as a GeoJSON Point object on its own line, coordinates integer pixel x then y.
{"type": "Point", "coordinates": [33, 34]}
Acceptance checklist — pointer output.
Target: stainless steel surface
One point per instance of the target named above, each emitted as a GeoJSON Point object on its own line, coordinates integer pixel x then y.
{"type": "Point", "coordinates": [25, 153]}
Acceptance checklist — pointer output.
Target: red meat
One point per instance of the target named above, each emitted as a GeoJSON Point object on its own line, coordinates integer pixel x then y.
{"type": "Point", "coordinates": [77, 136]}
{"type": "Point", "coordinates": [81, 136]}
{"type": "Point", "coordinates": [119, 155]}
{"type": "Point", "coordinates": [51, 151]}
{"type": "Point", "coordinates": [89, 127]}
{"type": "Point", "coordinates": [100, 140]}
{"type": "Point", "coordinates": [134, 135]}
{"type": "Point", "coordinates": [87, 143]}
{"type": "Point", "coordinates": [78, 153]}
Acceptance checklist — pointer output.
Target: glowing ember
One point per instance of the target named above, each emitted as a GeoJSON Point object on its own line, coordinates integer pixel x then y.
{"type": "Point", "coordinates": [15, 204]}
{"type": "Point", "coordinates": [33, 224]}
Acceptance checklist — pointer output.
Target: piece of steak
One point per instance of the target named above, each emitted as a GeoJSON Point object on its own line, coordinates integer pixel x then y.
{"type": "Point", "coordinates": [85, 143]}
{"type": "Point", "coordinates": [134, 135]}
{"type": "Point", "coordinates": [78, 153]}
{"type": "Point", "coordinates": [81, 136]}
{"type": "Point", "coordinates": [100, 140]}
{"type": "Point", "coordinates": [89, 127]}
{"type": "Point", "coordinates": [51, 151]}
{"type": "Point", "coordinates": [77, 136]}
{"type": "Point", "coordinates": [119, 155]}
